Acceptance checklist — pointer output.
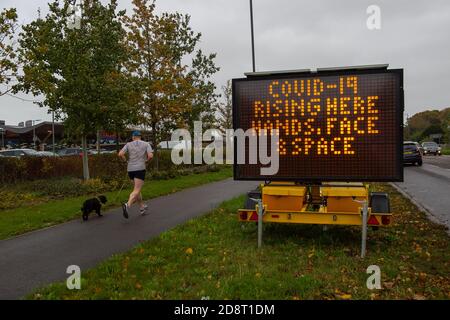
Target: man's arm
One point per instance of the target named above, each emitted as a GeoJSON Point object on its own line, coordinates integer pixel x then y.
{"type": "Point", "coordinates": [122, 153]}
{"type": "Point", "coordinates": [149, 153]}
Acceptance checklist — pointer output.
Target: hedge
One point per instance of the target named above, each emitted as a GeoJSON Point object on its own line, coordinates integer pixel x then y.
{"type": "Point", "coordinates": [104, 166]}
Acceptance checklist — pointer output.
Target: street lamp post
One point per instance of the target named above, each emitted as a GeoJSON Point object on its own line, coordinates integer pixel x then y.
{"type": "Point", "coordinates": [34, 132]}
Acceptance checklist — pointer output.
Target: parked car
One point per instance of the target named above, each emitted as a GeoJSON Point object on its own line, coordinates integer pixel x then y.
{"type": "Point", "coordinates": [411, 153]}
{"type": "Point", "coordinates": [431, 148]}
{"type": "Point", "coordinates": [17, 153]}
{"type": "Point", "coordinates": [107, 151]}
{"type": "Point", "coordinates": [47, 154]}
{"type": "Point", "coordinates": [419, 146]}
{"type": "Point", "coordinates": [102, 151]}
{"type": "Point", "coordinates": [72, 152]}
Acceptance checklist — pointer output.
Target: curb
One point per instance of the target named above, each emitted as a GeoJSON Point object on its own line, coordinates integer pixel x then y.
{"type": "Point", "coordinates": [420, 206]}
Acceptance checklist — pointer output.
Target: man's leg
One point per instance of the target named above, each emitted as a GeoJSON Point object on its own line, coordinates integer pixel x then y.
{"type": "Point", "coordinates": [141, 201]}
{"type": "Point", "coordinates": [136, 194]}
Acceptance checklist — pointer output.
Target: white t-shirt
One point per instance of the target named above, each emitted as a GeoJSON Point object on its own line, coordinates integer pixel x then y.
{"type": "Point", "coordinates": [137, 154]}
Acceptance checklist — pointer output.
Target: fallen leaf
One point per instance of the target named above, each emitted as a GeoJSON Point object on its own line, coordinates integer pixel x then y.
{"type": "Point", "coordinates": [189, 251]}
{"type": "Point", "coordinates": [419, 297]}
{"type": "Point", "coordinates": [344, 296]}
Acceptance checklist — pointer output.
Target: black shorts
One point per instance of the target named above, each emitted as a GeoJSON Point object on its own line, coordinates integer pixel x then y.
{"type": "Point", "coordinates": [140, 174]}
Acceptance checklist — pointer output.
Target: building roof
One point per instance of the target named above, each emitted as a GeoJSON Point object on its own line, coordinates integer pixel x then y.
{"type": "Point", "coordinates": [22, 130]}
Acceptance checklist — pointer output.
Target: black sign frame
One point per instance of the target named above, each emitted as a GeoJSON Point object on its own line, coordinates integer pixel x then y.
{"type": "Point", "coordinates": [399, 109]}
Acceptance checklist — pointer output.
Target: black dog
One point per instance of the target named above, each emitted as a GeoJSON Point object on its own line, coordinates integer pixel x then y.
{"type": "Point", "coordinates": [94, 204]}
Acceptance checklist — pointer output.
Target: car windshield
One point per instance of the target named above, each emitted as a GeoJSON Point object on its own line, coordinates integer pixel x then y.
{"type": "Point", "coordinates": [409, 146]}
{"type": "Point", "coordinates": [430, 144]}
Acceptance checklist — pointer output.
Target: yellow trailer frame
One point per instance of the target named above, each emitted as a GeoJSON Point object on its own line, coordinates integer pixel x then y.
{"type": "Point", "coordinates": [333, 204]}
{"type": "Point", "coordinates": [325, 218]}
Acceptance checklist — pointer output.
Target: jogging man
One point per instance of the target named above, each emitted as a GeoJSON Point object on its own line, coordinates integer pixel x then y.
{"type": "Point", "coordinates": [139, 152]}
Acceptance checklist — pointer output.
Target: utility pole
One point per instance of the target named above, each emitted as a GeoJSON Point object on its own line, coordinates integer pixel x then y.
{"type": "Point", "coordinates": [253, 36]}
{"type": "Point", "coordinates": [98, 142]}
{"type": "Point", "coordinates": [2, 131]}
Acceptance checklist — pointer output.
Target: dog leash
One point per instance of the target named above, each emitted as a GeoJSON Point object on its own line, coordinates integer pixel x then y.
{"type": "Point", "coordinates": [121, 188]}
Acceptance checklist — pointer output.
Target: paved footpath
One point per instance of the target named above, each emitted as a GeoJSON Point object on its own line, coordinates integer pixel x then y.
{"type": "Point", "coordinates": [41, 257]}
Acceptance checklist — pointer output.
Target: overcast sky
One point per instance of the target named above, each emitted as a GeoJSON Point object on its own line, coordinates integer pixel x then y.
{"type": "Point", "coordinates": [305, 34]}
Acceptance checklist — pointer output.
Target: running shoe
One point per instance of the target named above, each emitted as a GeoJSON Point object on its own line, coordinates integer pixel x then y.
{"type": "Point", "coordinates": [125, 210]}
{"type": "Point", "coordinates": [143, 209]}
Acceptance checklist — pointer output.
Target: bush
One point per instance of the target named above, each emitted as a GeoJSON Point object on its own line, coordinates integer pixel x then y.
{"type": "Point", "coordinates": [32, 168]}
{"type": "Point", "coordinates": [39, 191]}
{"type": "Point", "coordinates": [105, 166]}
{"type": "Point", "coordinates": [198, 170]}
{"type": "Point", "coordinates": [445, 151]}
{"type": "Point", "coordinates": [213, 168]}
{"type": "Point", "coordinates": [65, 187]}
{"type": "Point", "coordinates": [13, 199]}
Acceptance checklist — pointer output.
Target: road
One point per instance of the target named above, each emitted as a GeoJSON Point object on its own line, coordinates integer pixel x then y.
{"type": "Point", "coordinates": [429, 187]}
{"type": "Point", "coordinates": [41, 257]}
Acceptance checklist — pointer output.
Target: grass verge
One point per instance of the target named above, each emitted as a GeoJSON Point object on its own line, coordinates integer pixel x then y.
{"type": "Point", "coordinates": [215, 256]}
{"type": "Point", "coordinates": [17, 221]}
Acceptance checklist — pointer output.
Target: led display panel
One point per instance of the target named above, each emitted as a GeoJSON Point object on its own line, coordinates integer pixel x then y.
{"type": "Point", "coordinates": [343, 125]}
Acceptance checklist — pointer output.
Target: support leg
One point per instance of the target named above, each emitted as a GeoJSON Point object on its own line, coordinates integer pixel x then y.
{"type": "Point", "coordinates": [364, 229]}
{"type": "Point", "coordinates": [260, 222]}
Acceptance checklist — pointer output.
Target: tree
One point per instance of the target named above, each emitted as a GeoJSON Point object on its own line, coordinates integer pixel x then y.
{"type": "Point", "coordinates": [79, 70]}
{"type": "Point", "coordinates": [432, 129]}
{"type": "Point", "coordinates": [172, 92]}
{"type": "Point", "coordinates": [203, 105]}
{"type": "Point", "coordinates": [8, 63]}
{"type": "Point", "coordinates": [225, 109]}
{"type": "Point", "coordinates": [424, 123]}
